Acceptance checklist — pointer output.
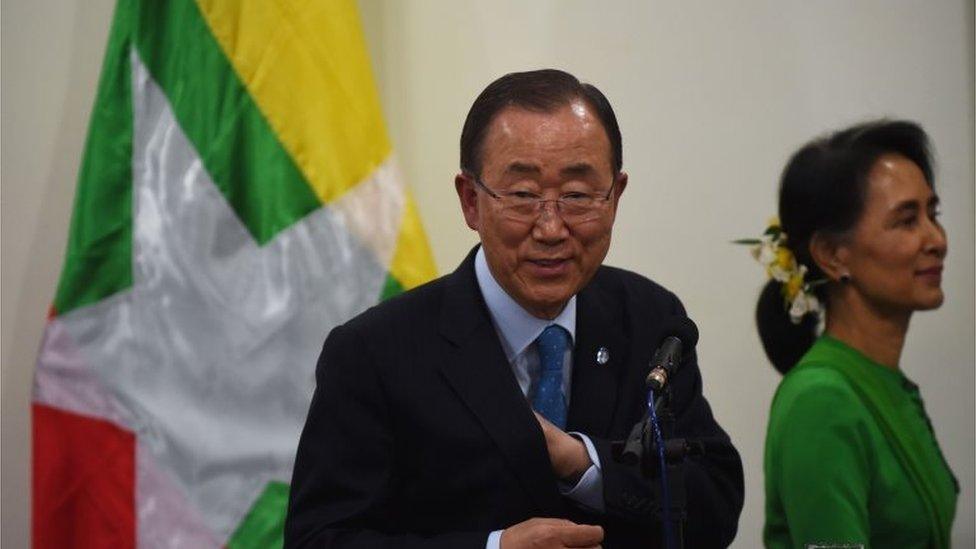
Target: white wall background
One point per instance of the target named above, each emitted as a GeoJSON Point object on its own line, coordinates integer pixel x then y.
{"type": "Point", "coordinates": [712, 97]}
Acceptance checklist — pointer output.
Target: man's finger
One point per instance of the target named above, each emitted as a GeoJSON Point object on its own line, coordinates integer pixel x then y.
{"type": "Point", "coordinates": [581, 535]}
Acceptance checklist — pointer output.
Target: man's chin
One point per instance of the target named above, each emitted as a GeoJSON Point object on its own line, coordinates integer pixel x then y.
{"type": "Point", "coordinates": [548, 305]}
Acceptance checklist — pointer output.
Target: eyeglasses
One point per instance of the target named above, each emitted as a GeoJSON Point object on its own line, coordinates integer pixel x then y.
{"type": "Point", "coordinates": [573, 207]}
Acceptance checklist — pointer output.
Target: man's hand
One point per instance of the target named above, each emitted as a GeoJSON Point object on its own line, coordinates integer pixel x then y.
{"type": "Point", "coordinates": [549, 533]}
{"type": "Point", "coordinates": [566, 452]}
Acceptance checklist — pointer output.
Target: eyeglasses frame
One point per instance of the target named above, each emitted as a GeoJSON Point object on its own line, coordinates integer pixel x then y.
{"type": "Point", "coordinates": [604, 199]}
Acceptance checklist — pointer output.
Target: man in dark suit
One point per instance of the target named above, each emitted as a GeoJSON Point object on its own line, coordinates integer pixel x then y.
{"type": "Point", "coordinates": [479, 410]}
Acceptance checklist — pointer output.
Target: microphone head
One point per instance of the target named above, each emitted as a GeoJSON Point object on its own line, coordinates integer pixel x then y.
{"type": "Point", "coordinates": [678, 337]}
{"type": "Point", "coordinates": [682, 328]}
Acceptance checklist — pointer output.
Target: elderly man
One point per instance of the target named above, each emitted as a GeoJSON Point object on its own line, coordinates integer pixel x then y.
{"type": "Point", "coordinates": [479, 410]}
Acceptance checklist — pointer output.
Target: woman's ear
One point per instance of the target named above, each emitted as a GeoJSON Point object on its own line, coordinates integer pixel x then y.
{"type": "Point", "coordinates": [831, 255]}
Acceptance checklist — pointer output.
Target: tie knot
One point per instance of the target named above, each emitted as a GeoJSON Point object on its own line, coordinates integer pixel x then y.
{"type": "Point", "coordinates": [552, 343]}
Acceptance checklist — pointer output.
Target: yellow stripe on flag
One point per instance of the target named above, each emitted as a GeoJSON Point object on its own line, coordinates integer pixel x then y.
{"type": "Point", "coordinates": [413, 263]}
{"type": "Point", "coordinates": [306, 67]}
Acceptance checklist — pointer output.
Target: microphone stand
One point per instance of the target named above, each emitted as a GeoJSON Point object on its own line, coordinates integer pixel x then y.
{"type": "Point", "coordinates": [641, 449]}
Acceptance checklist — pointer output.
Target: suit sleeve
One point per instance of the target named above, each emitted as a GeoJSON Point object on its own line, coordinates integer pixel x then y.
{"type": "Point", "coordinates": [346, 458]}
{"type": "Point", "coordinates": [711, 484]}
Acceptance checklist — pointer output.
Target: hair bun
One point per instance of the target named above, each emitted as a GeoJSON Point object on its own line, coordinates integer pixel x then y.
{"type": "Point", "coordinates": [784, 342]}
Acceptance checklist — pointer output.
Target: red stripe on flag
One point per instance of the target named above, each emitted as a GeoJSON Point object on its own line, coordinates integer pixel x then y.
{"type": "Point", "coordinates": [83, 481]}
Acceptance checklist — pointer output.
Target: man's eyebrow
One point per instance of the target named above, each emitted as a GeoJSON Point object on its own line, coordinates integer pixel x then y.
{"type": "Point", "coordinates": [578, 169]}
{"type": "Point", "coordinates": [522, 168]}
{"type": "Point", "coordinates": [581, 168]}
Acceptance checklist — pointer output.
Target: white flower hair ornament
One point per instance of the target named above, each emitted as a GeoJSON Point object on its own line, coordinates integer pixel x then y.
{"type": "Point", "coordinates": [771, 251]}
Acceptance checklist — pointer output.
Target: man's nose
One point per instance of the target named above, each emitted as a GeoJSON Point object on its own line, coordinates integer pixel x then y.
{"type": "Point", "coordinates": [549, 226]}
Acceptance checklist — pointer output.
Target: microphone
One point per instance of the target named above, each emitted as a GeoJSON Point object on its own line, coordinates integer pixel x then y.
{"type": "Point", "coordinates": [681, 334]}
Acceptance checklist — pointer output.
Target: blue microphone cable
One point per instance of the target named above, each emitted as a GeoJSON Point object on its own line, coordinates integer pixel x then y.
{"type": "Point", "coordinates": [665, 491]}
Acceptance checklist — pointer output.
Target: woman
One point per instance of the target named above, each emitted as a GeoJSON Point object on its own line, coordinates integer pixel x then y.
{"type": "Point", "coordinates": [851, 459]}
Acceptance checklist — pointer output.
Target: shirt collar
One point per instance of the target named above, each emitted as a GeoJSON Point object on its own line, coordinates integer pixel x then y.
{"type": "Point", "coordinates": [516, 327]}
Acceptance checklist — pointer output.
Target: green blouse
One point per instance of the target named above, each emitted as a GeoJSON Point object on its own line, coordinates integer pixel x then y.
{"type": "Point", "coordinates": [851, 458]}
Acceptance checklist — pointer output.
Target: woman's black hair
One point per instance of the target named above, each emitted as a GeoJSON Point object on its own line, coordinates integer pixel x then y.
{"type": "Point", "coordinates": [822, 191]}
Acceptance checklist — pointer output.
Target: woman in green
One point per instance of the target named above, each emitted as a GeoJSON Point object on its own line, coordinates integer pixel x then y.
{"type": "Point", "coordinates": [851, 459]}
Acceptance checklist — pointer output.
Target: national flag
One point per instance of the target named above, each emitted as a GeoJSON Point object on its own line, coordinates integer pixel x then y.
{"type": "Point", "coordinates": [238, 197]}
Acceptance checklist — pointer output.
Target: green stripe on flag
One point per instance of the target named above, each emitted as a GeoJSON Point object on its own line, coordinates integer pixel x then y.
{"type": "Point", "coordinates": [239, 149]}
{"type": "Point", "coordinates": [391, 288]}
{"type": "Point", "coordinates": [264, 525]}
{"type": "Point", "coordinates": [98, 260]}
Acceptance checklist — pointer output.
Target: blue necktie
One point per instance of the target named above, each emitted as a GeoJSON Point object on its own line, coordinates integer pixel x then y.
{"type": "Point", "coordinates": [549, 400]}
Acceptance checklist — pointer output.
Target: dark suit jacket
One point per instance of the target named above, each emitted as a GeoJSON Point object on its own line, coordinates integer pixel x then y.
{"type": "Point", "coordinates": [418, 434]}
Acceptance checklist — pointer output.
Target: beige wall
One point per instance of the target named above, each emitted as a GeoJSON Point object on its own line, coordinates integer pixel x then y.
{"type": "Point", "coordinates": [711, 96]}
{"type": "Point", "coordinates": [51, 57]}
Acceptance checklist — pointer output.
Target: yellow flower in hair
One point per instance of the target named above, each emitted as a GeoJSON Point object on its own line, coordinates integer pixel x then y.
{"type": "Point", "coordinates": [783, 265]}
{"type": "Point", "coordinates": [784, 259]}
{"type": "Point", "coordinates": [794, 284]}
{"type": "Point", "coordinates": [771, 251]}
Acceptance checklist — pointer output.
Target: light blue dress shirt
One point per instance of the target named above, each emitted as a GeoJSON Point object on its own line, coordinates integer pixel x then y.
{"type": "Point", "coordinates": [517, 330]}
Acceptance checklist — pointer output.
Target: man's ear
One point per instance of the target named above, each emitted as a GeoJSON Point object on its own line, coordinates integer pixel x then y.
{"type": "Point", "coordinates": [620, 183]}
{"type": "Point", "coordinates": [831, 255]}
{"type": "Point", "coordinates": [468, 196]}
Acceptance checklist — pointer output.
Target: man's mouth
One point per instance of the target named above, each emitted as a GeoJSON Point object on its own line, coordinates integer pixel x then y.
{"type": "Point", "coordinates": [548, 262]}
{"type": "Point", "coordinates": [549, 267]}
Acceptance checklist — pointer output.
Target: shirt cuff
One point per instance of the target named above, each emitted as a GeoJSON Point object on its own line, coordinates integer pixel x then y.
{"type": "Point", "coordinates": [494, 540]}
{"type": "Point", "coordinates": [588, 491]}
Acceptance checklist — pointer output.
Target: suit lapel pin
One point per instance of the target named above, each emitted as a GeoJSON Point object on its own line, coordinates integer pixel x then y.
{"type": "Point", "coordinates": [602, 356]}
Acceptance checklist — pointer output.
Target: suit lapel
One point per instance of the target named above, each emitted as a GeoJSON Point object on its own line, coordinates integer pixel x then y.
{"type": "Point", "coordinates": [595, 385]}
{"type": "Point", "coordinates": [482, 377]}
